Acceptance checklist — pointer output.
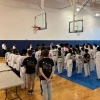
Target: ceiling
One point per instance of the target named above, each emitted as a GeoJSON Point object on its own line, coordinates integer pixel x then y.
{"type": "Point", "coordinates": [61, 4]}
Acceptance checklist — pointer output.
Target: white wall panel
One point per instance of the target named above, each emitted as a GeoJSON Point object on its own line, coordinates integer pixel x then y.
{"type": "Point", "coordinates": [16, 19]}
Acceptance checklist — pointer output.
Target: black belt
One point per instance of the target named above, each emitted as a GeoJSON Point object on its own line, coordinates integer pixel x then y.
{"type": "Point", "coordinates": [59, 57]}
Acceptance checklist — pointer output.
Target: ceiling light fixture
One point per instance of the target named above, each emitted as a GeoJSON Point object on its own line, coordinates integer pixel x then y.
{"type": "Point", "coordinates": [78, 9]}
{"type": "Point", "coordinates": [97, 14]}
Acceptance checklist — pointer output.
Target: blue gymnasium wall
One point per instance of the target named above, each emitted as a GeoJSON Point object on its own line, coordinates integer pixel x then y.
{"type": "Point", "coordinates": [20, 44]}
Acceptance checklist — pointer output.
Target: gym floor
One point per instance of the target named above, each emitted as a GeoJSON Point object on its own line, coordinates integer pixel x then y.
{"type": "Point", "coordinates": [62, 89]}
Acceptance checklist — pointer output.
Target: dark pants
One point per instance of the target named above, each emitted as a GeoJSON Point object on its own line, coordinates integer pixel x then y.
{"type": "Point", "coordinates": [40, 84]}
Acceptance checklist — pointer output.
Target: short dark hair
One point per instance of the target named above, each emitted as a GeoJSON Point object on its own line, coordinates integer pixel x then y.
{"type": "Point", "coordinates": [24, 51]}
{"type": "Point", "coordinates": [42, 53]}
{"type": "Point", "coordinates": [48, 48]}
{"type": "Point", "coordinates": [86, 50]}
{"type": "Point", "coordinates": [45, 53]}
{"type": "Point", "coordinates": [30, 52]}
{"type": "Point", "coordinates": [98, 48]}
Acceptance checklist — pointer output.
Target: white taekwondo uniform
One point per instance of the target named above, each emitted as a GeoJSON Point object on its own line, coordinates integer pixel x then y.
{"type": "Point", "coordinates": [22, 71]}
{"type": "Point", "coordinates": [60, 62]}
{"type": "Point", "coordinates": [38, 54]}
{"type": "Point", "coordinates": [69, 66]}
{"type": "Point", "coordinates": [92, 59]}
{"type": "Point", "coordinates": [97, 60]}
{"type": "Point", "coordinates": [54, 54]}
{"type": "Point", "coordinates": [79, 63]}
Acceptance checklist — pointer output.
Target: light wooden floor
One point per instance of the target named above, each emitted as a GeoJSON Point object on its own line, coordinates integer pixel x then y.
{"type": "Point", "coordinates": [62, 90]}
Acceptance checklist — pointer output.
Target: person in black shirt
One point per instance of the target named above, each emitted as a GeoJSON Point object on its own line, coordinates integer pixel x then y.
{"type": "Point", "coordinates": [46, 68]}
{"type": "Point", "coordinates": [86, 63]}
{"type": "Point", "coordinates": [30, 64]}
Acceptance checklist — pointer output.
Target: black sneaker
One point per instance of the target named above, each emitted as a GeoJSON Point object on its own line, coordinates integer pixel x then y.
{"type": "Point", "coordinates": [32, 91]}
{"type": "Point", "coordinates": [29, 92]}
{"type": "Point", "coordinates": [42, 93]}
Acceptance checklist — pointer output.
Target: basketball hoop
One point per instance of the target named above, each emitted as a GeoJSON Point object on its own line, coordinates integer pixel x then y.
{"type": "Point", "coordinates": [35, 29]}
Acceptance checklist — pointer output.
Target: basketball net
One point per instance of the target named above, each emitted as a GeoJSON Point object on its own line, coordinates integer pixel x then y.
{"type": "Point", "coordinates": [78, 34]}
{"type": "Point", "coordinates": [35, 29]}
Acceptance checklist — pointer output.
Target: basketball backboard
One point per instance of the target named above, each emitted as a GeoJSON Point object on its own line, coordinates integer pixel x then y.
{"type": "Point", "coordinates": [77, 27]}
{"type": "Point", "coordinates": [40, 21]}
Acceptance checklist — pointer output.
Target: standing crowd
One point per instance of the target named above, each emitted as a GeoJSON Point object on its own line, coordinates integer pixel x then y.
{"type": "Point", "coordinates": [44, 60]}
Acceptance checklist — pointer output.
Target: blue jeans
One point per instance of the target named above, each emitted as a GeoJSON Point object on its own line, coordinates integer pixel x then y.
{"type": "Point", "coordinates": [47, 90]}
